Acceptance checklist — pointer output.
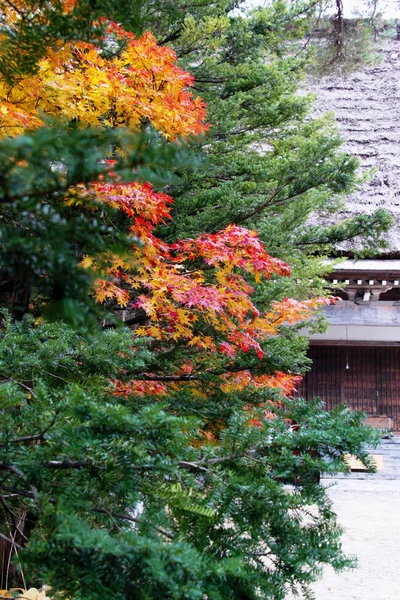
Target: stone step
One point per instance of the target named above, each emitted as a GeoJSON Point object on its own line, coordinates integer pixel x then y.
{"type": "Point", "coordinates": [363, 477]}
{"type": "Point", "coordinates": [386, 455]}
{"type": "Point", "coordinates": [393, 473]}
{"type": "Point", "coordinates": [389, 450]}
{"type": "Point", "coordinates": [386, 451]}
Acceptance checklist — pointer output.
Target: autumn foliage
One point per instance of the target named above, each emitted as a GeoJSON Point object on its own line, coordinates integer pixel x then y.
{"type": "Point", "coordinates": [146, 440]}
{"type": "Point", "coordinates": [93, 86]}
{"type": "Point", "coordinates": [197, 293]}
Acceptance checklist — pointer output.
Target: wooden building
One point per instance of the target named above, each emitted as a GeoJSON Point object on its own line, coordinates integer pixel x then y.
{"type": "Point", "coordinates": [367, 378]}
{"type": "Point", "coordinates": [357, 360]}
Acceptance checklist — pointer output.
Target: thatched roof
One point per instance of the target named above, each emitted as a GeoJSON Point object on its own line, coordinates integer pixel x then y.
{"type": "Point", "coordinates": [366, 105]}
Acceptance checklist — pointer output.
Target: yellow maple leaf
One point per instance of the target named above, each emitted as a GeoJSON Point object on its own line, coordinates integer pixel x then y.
{"type": "Point", "coordinates": [86, 262]}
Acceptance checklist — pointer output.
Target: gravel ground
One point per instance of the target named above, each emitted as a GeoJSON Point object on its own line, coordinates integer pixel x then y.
{"type": "Point", "coordinates": [370, 513]}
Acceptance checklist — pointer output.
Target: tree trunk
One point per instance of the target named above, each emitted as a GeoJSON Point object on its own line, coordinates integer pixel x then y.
{"type": "Point", "coordinates": [14, 294]}
{"type": "Point", "coordinates": [339, 30]}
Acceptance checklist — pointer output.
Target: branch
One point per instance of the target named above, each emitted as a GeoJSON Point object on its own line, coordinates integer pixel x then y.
{"type": "Point", "coordinates": [25, 387]}
{"type": "Point", "coordinates": [67, 464]}
{"type": "Point", "coordinates": [16, 492]}
{"type": "Point", "coordinates": [168, 378]}
{"type": "Point", "coordinates": [199, 465]}
{"type": "Point", "coordinates": [11, 542]}
{"type": "Point", "coordinates": [222, 459]}
{"type": "Point", "coordinates": [191, 465]}
{"type": "Point", "coordinates": [304, 10]}
{"type": "Point", "coordinates": [186, 377]}
{"type": "Point", "coordinates": [20, 475]}
{"type": "Point", "coordinates": [132, 520]}
{"type": "Point", "coordinates": [265, 204]}
{"type": "Point", "coordinates": [31, 438]}
{"type": "Point", "coordinates": [17, 10]}
{"type": "Point", "coordinates": [346, 238]}
{"type": "Point", "coordinates": [13, 518]}
{"type": "Point", "coordinates": [172, 36]}
{"type": "Point", "coordinates": [33, 194]}
{"type": "Point", "coordinates": [55, 376]}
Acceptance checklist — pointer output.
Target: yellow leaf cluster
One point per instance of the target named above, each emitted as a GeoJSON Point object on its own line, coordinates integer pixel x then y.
{"type": "Point", "coordinates": [79, 81]}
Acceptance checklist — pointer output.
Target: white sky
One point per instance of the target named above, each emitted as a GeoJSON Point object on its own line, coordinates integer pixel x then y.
{"type": "Point", "coordinates": [389, 8]}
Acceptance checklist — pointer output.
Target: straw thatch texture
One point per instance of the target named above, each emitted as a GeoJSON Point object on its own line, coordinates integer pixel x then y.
{"type": "Point", "coordinates": [366, 105]}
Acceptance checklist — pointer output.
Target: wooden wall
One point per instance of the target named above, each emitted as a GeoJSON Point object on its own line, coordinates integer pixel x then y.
{"type": "Point", "coordinates": [365, 378]}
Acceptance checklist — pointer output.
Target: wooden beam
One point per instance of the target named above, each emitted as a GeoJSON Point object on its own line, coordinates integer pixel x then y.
{"type": "Point", "coordinates": [354, 343]}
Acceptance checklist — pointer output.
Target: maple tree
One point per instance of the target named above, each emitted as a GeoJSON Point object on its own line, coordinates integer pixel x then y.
{"type": "Point", "coordinates": [150, 461]}
{"type": "Point", "coordinates": [194, 293]}
{"type": "Point", "coordinates": [136, 81]}
{"type": "Point", "coordinates": [77, 81]}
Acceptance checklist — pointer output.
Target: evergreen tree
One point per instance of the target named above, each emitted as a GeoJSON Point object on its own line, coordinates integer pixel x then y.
{"type": "Point", "coordinates": [270, 165]}
{"type": "Point", "coordinates": [122, 496]}
{"type": "Point", "coordinates": [164, 461]}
